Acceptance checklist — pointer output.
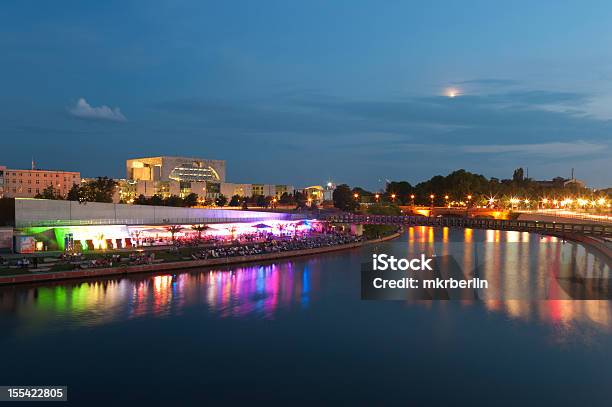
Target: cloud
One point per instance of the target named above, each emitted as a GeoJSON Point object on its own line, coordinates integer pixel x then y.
{"type": "Point", "coordinates": [84, 110]}
{"type": "Point", "coordinates": [488, 81]}
{"type": "Point", "coordinates": [558, 149]}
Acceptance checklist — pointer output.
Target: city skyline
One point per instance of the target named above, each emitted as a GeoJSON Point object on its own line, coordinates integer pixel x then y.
{"type": "Point", "coordinates": [285, 91]}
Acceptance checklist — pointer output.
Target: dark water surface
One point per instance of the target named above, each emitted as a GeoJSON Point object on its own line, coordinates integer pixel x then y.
{"type": "Point", "coordinates": [296, 332]}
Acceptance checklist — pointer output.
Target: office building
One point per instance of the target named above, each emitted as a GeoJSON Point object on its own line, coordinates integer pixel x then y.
{"type": "Point", "coordinates": [28, 183]}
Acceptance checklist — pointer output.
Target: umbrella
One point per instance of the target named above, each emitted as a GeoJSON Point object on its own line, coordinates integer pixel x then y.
{"type": "Point", "coordinates": [261, 226]}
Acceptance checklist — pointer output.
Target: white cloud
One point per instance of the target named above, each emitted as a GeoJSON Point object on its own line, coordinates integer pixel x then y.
{"type": "Point", "coordinates": [559, 149]}
{"type": "Point", "coordinates": [84, 110]}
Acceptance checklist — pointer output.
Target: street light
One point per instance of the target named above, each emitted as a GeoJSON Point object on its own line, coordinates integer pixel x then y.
{"type": "Point", "coordinates": [432, 196]}
{"type": "Point", "coordinates": [393, 197]}
{"type": "Point", "coordinates": [412, 198]}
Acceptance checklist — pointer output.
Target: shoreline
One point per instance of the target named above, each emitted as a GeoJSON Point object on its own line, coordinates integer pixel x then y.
{"type": "Point", "coordinates": [179, 265]}
{"type": "Point", "coordinates": [588, 241]}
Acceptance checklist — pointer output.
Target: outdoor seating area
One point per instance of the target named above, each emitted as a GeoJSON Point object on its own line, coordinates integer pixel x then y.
{"type": "Point", "coordinates": [193, 248]}
{"type": "Point", "coordinates": [278, 245]}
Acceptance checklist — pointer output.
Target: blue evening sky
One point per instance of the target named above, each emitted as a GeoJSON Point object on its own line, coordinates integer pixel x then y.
{"type": "Point", "coordinates": [301, 92]}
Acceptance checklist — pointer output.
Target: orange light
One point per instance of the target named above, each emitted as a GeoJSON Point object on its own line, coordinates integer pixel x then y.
{"type": "Point", "coordinates": [469, 197]}
{"type": "Point", "coordinates": [432, 196]}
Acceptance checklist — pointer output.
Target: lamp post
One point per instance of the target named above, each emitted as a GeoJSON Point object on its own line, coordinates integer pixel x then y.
{"type": "Point", "coordinates": [412, 199]}
{"type": "Point", "coordinates": [393, 198]}
{"type": "Point", "coordinates": [432, 196]}
{"type": "Point", "coordinates": [446, 199]}
{"type": "Point", "coordinates": [377, 196]}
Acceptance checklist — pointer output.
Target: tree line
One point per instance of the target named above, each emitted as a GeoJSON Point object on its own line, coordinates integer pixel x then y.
{"type": "Point", "coordinates": [459, 186]}
{"type": "Point", "coordinates": [100, 189]}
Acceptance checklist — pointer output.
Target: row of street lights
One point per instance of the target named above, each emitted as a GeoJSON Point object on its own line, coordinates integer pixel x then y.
{"type": "Point", "coordinates": [412, 196]}
{"type": "Point", "coordinates": [516, 202]}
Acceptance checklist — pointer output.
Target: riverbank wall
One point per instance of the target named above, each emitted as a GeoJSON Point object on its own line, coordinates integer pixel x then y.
{"type": "Point", "coordinates": [178, 265]}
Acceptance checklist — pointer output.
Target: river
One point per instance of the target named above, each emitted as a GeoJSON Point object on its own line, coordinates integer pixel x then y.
{"type": "Point", "coordinates": [296, 331]}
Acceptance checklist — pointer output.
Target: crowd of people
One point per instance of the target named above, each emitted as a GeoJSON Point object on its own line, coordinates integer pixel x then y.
{"type": "Point", "coordinates": [252, 244]}
{"type": "Point", "coordinates": [277, 245]}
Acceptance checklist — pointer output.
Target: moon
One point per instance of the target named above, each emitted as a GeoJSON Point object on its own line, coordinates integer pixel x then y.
{"type": "Point", "coordinates": [452, 92]}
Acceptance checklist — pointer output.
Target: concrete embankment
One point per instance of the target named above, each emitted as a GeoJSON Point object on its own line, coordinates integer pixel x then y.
{"type": "Point", "coordinates": [151, 268]}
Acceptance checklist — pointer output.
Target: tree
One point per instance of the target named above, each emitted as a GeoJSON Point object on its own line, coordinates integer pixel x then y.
{"type": "Point", "coordinates": [49, 193]}
{"type": "Point", "coordinates": [100, 189]}
{"type": "Point", "coordinates": [174, 200]}
{"type": "Point", "coordinates": [141, 200]}
{"type": "Point", "coordinates": [235, 201]}
{"type": "Point", "coordinates": [199, 229]}
{"type": "Point", "coordinates": [221, 200]}
{"type": "Point", "coordinates": [263, 201]}
{"type": "Point", "coordinates": [299, 199]}
{"type": "Point", "coordinates": [190, 200]}
{"type": "Point", "coordinates": [344, 199]}
{"type": "Point", "coordinates": [518, 176]}
{"type": "Point", "coordinates": [74, 194]}
{"type": "Point", "coordinates": [401, 189]}
{"type": "Point", "coordinates": [173, 229]}
{"type": "Point", "coordinates": [286, 199]}
{"type": "Point", "coordinates": [156, 200]}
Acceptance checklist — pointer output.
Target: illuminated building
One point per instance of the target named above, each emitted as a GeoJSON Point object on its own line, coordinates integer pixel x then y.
{"type": "Point", "coordinates": [48, 224]}
{"type": "Point", "coordinates": [244, 190]}
{"type": "Point", "coordinates": [165, 176]}
{"type": "Point", "coordinates": [315, 192]}
{"type": "Point", "coordinates": [27, 183]}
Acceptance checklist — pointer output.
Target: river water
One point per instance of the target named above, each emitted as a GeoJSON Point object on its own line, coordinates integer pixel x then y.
{"type": "Point", "coordinates": [296, 331]}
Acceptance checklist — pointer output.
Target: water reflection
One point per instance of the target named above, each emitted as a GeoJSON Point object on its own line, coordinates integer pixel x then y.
{"type": "Point", "coordinates": [523, 268]}
{"type": "Point", "coordinates": [257, 291]}
{"type": "Point", "coordinates": [526, 270]}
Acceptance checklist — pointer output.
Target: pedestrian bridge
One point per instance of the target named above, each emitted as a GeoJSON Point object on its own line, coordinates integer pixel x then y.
{"type": "Point", "coordinates": [452, 211]}
{"type": "Point", "coordinates": [476, 223]}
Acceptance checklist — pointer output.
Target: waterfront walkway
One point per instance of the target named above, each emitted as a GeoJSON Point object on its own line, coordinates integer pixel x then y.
{"type": "Point", "coordinates": [244, 254]}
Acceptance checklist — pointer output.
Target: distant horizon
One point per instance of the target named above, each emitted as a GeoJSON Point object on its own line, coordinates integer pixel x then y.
{"type": "Point", "coordinates": [314, 182]}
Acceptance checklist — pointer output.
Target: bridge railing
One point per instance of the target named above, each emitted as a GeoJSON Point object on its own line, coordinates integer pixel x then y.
{"type": "Point", "coordinates": [479, 223]}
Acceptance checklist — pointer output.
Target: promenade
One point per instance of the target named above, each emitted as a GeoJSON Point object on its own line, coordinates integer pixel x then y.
{"type": "Point", "coordinates": [292, 251]}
